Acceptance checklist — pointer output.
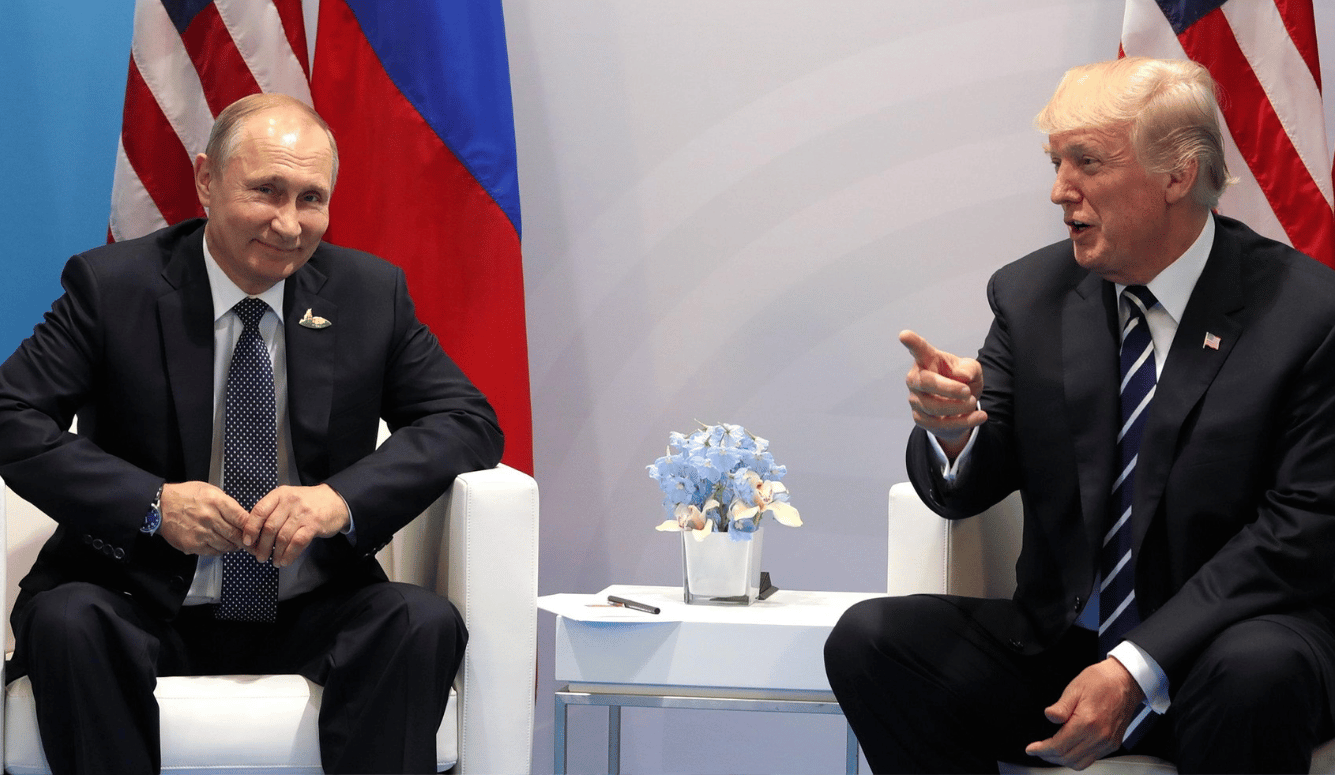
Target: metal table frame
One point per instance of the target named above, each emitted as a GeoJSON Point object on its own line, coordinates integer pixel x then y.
{"type": "Point", "coordinates": [615, 701]}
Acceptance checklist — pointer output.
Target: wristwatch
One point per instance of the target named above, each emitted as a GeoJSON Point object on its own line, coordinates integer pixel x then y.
{"type": "Point", "coordinates": [153, 519]}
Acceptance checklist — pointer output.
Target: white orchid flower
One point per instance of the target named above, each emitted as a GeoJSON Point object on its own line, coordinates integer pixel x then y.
{"type": "Point", "coordinates": [764, 495]}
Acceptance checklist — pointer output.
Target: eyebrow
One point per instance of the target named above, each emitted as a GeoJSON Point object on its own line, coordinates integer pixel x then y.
{"type": "Point", "coordinates": [1074, 149]}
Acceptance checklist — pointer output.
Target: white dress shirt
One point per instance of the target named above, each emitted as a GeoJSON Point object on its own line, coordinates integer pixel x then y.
{"type": "Point", "coordinates": [300, 576]}
{"type": "Point", "coordinates": [1172, 288]}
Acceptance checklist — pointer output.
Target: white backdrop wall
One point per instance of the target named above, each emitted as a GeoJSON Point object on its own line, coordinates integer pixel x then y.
{"type": "Point", "coordinates": [730, 210]}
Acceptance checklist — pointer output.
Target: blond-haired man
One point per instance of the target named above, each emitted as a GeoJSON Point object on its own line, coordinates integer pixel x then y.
{"type": "Point", "coordinates": [1161, 389]}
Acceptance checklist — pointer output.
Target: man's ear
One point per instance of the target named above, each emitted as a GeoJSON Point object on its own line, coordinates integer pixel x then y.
{"type": "Point", "coordinates": [203, 177]}
{"type": "Point", "coordinates": [1181, 182]}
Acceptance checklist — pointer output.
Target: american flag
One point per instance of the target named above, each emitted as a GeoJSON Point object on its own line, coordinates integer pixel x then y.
{"type": "Point", "coordinates": [1263, 54]}
{"type": "Point", "coordinates": [417, 93]}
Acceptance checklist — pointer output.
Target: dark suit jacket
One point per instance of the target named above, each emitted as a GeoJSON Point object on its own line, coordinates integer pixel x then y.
{"type": "Point", "coordinates": [129, 348]}
{"type": "Point", "coordinates": [1234, 512]}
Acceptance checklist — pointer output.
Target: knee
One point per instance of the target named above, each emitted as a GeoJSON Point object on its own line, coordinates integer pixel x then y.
{"type": "Point", "coordinates": [852, 634]}
{"type": "Point", "coordinates": [867, 630]}
{"type": "Point", "coordinates": [421, 616]}
{"type": "Point", "coordinates": [1255, 667]}
{"type": "Point", "coordinates": [80, 625]}
{"type": "Point", "coordinates": [69, 615]}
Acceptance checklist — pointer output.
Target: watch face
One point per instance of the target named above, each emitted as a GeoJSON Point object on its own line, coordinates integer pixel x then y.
{"type": "Point", "coordinates": [151, 521]}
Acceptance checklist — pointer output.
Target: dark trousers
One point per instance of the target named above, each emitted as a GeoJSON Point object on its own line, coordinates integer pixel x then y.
{"type": "Point", "coordinates": [385, 653]}
{"type": "Point", "coordinates": [926, 689]}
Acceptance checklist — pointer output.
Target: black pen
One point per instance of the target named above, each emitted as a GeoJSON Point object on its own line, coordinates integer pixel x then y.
{"type": "Point", "coordinates": [632, 605]}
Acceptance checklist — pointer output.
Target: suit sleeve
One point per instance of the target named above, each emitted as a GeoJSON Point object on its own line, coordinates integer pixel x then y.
{"type": "Point", "coordinates": [440, 426]}
{"type": "Point", "coordinates": [42, 385]}
{"type": "Point", "coordinates": [991, 475]}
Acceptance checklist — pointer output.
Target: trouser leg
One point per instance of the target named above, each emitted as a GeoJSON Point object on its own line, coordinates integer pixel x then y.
{"type": "Point", "coordinates": [386, 655]}
{"type": "Point", "coordinates": [1255, 700]}
{"type": "Point", "coordinates": [928, 690]}
{"type": "Point", "coordinates": [92, 656]}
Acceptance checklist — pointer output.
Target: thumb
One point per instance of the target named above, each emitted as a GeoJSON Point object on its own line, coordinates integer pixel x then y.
{"type": "Point", "coordinates": [1060, 711]}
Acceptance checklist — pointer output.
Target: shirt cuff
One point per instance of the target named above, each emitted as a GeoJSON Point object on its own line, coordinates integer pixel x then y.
{"type": "Point", "coordinates": [351, 530]}
{"type": "Point", "coordinates": [1147, 673]}
{"type": "Point", "coordinates": [951, 471]}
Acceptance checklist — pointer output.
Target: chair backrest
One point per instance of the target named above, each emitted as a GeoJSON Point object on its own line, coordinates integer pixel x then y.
{"type": "Point", "coordinates": [974, 556]}
{"type": "Point", "coordinates": [25, 530]}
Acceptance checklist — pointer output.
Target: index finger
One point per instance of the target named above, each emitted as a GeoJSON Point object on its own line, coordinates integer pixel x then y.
{"type": "Point", "coordinates": [233, 517]}
{"type": "Point", "coordinates": [924, 354]}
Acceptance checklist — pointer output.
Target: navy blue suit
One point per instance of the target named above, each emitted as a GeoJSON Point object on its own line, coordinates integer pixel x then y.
{"type": "Point", "coordinates": [1234, 513]}
{"type": "Point", "coordinates": [129, 349]}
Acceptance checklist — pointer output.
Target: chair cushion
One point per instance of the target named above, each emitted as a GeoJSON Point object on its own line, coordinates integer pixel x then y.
{"type": "Point", "coordinates": [276, 714]}
{"type": "Point", "coordinates": [1323, 760]}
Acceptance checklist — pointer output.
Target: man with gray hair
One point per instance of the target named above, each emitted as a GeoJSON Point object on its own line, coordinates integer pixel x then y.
{"type": "Point", "coordinates": [1160, 387]}
{"type": "Point", "coordinates": [222, 503]}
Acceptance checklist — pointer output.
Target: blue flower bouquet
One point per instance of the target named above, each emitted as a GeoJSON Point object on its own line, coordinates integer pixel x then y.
{"type": "Point", "coordinates": [721, 479]}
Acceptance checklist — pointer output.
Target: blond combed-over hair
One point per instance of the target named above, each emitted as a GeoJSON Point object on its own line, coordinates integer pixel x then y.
{"type": "Point", "coordinates": [1169, 106]}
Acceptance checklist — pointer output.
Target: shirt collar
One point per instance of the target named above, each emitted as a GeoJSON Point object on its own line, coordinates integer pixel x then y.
{"type": "Point", "coordinates": [1173, 286]}
{"type": "Point", "coordinates": [226, 294]}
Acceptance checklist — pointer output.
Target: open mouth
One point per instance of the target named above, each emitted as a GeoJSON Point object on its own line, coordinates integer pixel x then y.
{"type": "Point", "coordinates": [1077, 227]}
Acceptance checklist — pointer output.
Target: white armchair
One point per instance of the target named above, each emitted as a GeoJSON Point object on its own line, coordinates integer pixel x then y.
{"type": "Point", "coordinates": [976, 557]}
{"type": "Point", "coordinates": [477, 545]}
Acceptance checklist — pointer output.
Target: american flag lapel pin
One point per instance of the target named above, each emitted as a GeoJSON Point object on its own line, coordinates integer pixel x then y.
{"type": "Point", "coordinates": [1211, 341]}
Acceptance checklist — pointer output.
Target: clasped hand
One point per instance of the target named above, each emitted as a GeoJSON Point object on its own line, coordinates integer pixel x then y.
{"type": "Point", "coordinates": [943, 393]}
{"type": "Point", "coordinates": [198, 518]}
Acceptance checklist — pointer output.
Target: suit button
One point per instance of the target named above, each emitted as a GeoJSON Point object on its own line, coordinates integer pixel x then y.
{"type": "Point", "coordinates": [177, 582]}
{"type": "Point", "coordinates": [119, 553]}
{"type": "Point", "coordinates": [97, 544]}
{"type": "Point", "coordinates": [87, 539]}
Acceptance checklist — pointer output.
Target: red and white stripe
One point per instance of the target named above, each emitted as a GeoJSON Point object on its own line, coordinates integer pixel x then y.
{"type": "Point", "coordinates": [177, 83]}
{"type": "Point", "coordinates": [1263, 54]}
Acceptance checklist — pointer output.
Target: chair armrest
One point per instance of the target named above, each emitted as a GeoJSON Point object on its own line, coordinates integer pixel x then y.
{"type": "Point", "coordinates": [918, 559]}
{"type": "Point", "coordinates": [492, 577]}
{"type": "Point", "coordinates": [928, 553]}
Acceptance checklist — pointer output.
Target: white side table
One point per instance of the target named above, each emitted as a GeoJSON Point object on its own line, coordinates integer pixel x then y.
{"type": "Point", "coordinates": [617, 657]}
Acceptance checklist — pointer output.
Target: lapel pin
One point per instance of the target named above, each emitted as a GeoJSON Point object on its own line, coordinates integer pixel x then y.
{"type": "Point", "coordinates": [1211, 341]}
{"type": "Point", "coordinates": [314, 321]}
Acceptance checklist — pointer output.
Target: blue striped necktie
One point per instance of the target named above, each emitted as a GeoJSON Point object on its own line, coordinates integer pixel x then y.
{"type": "Point", "coordinates": [1118, 612]}
{"type": "Point", "coordinates": [250, 465]}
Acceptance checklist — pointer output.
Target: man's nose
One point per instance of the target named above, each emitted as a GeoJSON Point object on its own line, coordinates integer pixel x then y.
{"type": "Point", "coordinates": [1062, 191]}
{"type": "Point", "coordinates": [285, 221]}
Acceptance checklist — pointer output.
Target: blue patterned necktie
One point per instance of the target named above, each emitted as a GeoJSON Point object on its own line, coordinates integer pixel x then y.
{"type": "Point", "coordinates": [1118, 612]}
{"type": "Point", "coordinates": [250, 465]}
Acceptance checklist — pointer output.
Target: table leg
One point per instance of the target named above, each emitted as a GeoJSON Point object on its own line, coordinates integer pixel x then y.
{"type": "Point", "coordinates": [613, 740]}
{"type": "Point", "coordinates": [851, 762]}
{"type": "Point", "coordinates": [559, 736]}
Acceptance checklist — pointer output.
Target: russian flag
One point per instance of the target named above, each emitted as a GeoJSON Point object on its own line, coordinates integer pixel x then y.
{"type": "Point", "coordinates": [418, 95]}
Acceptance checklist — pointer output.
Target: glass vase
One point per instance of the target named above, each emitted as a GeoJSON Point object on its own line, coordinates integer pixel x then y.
{"type": "Point", "coordinates": [719, 570]}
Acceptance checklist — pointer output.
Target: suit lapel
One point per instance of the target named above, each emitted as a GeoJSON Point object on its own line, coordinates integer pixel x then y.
{"type": "Point", "coordinates": [185, 321]}
{"type": "Point", "coordinates": [1188, 372]}
{"type": "Point", "coordinates": [1089, 367]}
{"type": "Point", "coordinates": [310, 369]}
